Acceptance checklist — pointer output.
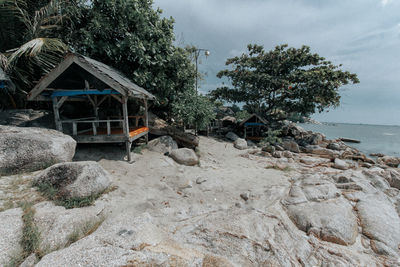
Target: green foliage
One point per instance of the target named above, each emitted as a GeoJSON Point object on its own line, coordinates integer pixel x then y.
{"type": "Point", "coordinates": [29, 46]}
{"type": "Point", "coordinates": [272, 137]}
{"type": "Point", "coordinates": [30, 238]}
{"type": "Point", "coordinates": [288, 79]}
{"type": "Point", "coordinates": [193, 109]}
{"type": "Point", "coordinates": [51, 192]}
{"type": "Point", "coordinates": [242, 115]}
{"type": "Point", "coordinates": [133, 37]}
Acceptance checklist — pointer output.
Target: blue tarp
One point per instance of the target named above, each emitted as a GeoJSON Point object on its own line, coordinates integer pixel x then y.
{"type": "Point", "coordinates": [84, 92]}
{"type": "Point", "coordinates": [254, 124]}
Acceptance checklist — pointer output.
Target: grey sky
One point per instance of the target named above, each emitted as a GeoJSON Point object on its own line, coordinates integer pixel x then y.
{"type": "Point", "coordinates": [363, 35]}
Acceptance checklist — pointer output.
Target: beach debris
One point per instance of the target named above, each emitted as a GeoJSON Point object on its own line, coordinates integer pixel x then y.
{"type": "Point", "coordinates": [245, 196]}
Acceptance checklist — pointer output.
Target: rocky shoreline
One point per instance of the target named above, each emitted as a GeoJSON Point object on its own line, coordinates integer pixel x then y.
{"type": "Point", "coordinates": [310, 201]}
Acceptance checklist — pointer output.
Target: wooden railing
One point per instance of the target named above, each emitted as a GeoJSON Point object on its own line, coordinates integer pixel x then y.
{"type": "Point", "coordinates": [95, 124]}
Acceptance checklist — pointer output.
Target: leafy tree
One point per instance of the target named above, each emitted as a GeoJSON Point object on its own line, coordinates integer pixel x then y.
{"type": "Point", "coordinates": [193, 109]}
{"type": "Point", "coordinates": [283, 79]}
{"type": "Point", "coordinates": [28, 44]}
{"type": "Point", "coordinates": [133, 37]}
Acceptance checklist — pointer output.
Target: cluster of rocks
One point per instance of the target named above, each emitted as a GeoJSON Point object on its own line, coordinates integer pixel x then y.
{"type": "Point", "coordinates": [167, 146]}
{"type": "Point", "coordinates": [296, 140]}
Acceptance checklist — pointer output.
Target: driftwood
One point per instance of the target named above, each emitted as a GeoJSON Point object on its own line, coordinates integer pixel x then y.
{"type": "Point", "coordinates": [160, 127]}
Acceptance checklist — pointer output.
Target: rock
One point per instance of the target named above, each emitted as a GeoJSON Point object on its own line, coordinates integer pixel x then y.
{"type": "Point", "coordinates": [32, 149]}
{"type": "Point", "coordinates": [268, 148]}
{"type": "Point", "coordinates": [340, 164]}
{"type": "Point", "coordinates": [287, 154]}
{"type": "Point", "coordinates": [185, 156]}
{"type": "Point", "coordinates": [232, 136]}
{"type": "Point", "coordinates": [250, 143]}
{"type": "Point", "coordinates": [377, 215]}
{"type": "Point", "coordinates": [124, 239]}
{"type": "Point", "coordinates": [57, 224]}
{"type": "Point", "coordinates": [277, 154]}
{"type": "Point", "coordinates": [332, 221]}
{"type": "Point", "coordinates": [75, 179]}
{"type": "Point", "coordinates": [291, 146]}
{"type": "Point", "coordinates": [279, 148]}
{"type": "Point", "coordinates": [245, 196]}
{"type": "Point", "coordinates": [322, 152]}
{"type": "Point", "coordinates": [394, 179]}
{"type": "Point", "coordinates": [390, 161]}
{"type": "Point", "coordinates": [10, 235]}
{"type": "Point", "coordinates": [200, 180]}
{"type": "Point", "coordinates": [162, 144]}
{"type": "Point", "coordinates": [336, 146]}
{"type": "Point", "coordinates": [30, 261]}
{"type": "Point", "coordinates": [313, 161]}
{"type": "Point", "coordinates": [27, 118]}
{"type": "Point", "coordinates": [293, 130]}
{"type": "Point", "coordinates": [240, 144]}
{"type": "Point", "coordinates": [377, 155]}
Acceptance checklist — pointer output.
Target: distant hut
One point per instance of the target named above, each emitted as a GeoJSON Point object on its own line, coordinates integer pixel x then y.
{"type": "Point", "coordinates": [5, 81]}
{"type": "Point", "coordinates": [81, 79]}
{"type": "Point", "coordinates": [253, 127]}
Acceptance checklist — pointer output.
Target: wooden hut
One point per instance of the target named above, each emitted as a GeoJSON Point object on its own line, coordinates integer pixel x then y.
{"type": "Point", "coordinates": [253, 127]}
{"type": "Point", "coordinates": [79, 78]}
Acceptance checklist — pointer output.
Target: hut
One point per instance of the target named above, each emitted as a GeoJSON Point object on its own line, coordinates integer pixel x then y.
{"type": "Point", "coordinates": [5, 81]}
{"type": "Point", "coordinates": [79, 78]}
{"type": "Point", "coordinates": [253, 127]}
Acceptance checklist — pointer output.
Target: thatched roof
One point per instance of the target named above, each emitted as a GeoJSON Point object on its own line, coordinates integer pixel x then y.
{"type": "Point", "coordinates": [75, 68]}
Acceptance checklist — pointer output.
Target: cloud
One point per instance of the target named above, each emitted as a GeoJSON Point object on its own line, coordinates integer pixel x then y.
{"type": "Point", "coordinates": [364, 38]}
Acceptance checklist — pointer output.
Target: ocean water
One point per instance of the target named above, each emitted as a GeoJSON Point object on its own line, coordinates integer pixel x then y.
{"type": "Point", "coordinates": [374, 138]}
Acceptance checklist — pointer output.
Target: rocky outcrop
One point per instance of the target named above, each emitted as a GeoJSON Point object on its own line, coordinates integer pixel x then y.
{"type": "Point", "coordinates": [10, 235]}
{"type": "Point", "coordinates": [185, 156]}
{"type": "Point", "coordinates": [317, 208]}
{"type": "Point", "coordinates": [162, 144]}
{"type": "Point", "coordinates": [75, 179]}
{"type": "Point", "coordinates": [59, 226]}
{"type": "Point", "coordinates": [240, 144]}
{"type": "Point", "coordinates": [27, 118]}
{"type": "Point", "coordinates": [377, 216]}
{"type": "Point", "coordinates": [31, 149]}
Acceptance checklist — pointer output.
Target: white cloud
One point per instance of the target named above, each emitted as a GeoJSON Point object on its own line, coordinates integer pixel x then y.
{"type": "Point", "coordinates": [385, 2]}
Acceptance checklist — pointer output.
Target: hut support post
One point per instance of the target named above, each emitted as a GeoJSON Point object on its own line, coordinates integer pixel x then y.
{"type": "Point", "coordinates": [57, 114]}
{"type": "Point", "coordinates": [146, 118]}
{"type": "Point", "coordinates": [126, 128]}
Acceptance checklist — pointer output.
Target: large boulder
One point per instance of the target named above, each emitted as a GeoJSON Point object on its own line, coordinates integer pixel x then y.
{"type": "Point", "coordinates": [240, 143]}
{"type": "Point", "coordinates": [31, 149]}
{"type": "Point", "coordinates": [340, 164]}
{"type": "Point", "coordinates": [10, 235]}
{"type": "Point", "coordinates": [75, 179]}
{"type": "Point", "coordinates": [292, 146]}
{"type": "Point", "coordinates": [390, 161]}
{"type": "Point", "coordinates": [232, 136]}
{"type": "Point", "coordinates": [185, 156]}
{"type": "Point", "coordinates": [162, 144]}
{"type": "Point", "coordinates": [322, 152]}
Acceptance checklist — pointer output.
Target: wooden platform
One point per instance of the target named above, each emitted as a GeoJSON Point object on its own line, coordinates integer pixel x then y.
{"type": "Point", "coordinates": [116, 136]}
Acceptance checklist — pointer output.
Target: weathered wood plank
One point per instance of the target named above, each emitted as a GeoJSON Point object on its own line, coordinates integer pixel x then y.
{"type": "Point", "coordinates": [57, 115]}
{"type": "Point", "coordinates": [61, 102]}
{"type": "Point", "coordinates": [74, 128]}
{"type": "Point", "coordinates": [108, 128]}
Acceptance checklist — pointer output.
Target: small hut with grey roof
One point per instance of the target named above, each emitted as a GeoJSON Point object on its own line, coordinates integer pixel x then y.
{"type": "Point", "coordinates": [79, 78]}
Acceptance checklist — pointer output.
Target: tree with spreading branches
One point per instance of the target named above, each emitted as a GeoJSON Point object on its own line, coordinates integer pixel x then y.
{"type": "Point", "coordinates": [283, 81]}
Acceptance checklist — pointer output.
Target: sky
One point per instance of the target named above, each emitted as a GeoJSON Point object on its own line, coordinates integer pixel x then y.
{"type": "Point", "coordinates": [363, 35]}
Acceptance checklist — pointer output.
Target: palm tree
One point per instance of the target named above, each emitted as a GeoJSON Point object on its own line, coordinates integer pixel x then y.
{"type": "Point", "coordinates": [29, 46]}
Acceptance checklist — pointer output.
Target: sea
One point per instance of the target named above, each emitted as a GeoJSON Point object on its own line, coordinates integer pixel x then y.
{"type": "Point", "coordinates": [374, 138]}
